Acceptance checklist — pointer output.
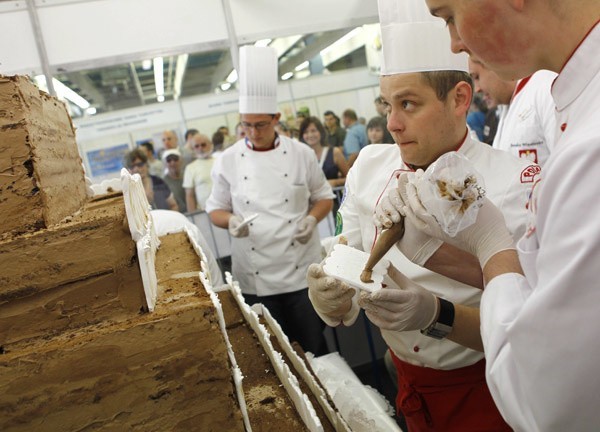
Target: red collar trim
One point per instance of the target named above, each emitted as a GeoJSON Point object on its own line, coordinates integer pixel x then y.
{"type": "Point", "coordinates": [273, 146]}
{"type": "Point", "coordinates": [520, 86]}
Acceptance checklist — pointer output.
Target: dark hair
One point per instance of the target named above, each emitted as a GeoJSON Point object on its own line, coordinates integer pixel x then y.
{"type": "Point", "coordinates": [312, 120]}
{"type": "Point", "coordinates": [218, 139]}
{"type": "Point", "coordinates": [444, 81]}
{"type": "Point", "coordinates": [148, 145]}
{"type": "Point", "coordinates": [133, 155]}
{"type": "Point", "coordinates": [283, 126]}
{"type": "Point", "coordinates": [379, 122]}
{"type": "Point", "coordinates": [190, 132]}
{"type": "Point", "coordinates": [351, 114]}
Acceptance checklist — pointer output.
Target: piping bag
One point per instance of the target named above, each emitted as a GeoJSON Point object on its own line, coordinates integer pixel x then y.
{"type": "Point", "coordinates": [384, 243]}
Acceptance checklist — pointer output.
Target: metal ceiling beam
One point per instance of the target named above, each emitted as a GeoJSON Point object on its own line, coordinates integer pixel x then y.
{"type": "Point", "coordinates": [136, 82]}
{"type": "Point", "coordinates": [311, 50]}
{"type": "Point", "coordinates": [88, 87]}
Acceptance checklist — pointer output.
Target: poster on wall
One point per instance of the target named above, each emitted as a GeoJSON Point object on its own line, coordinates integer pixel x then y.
{"type": "Point", "coordinates": [106, 161]}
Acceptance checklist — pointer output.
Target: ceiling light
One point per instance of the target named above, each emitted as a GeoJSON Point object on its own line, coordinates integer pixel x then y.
{"type": "Point", "coordinates": [263, 42]}
{"type": "Point", "coordinates": [147, 64]}
{"type": "Point", "coordinates": [225, 86]}
{"type": "Point", "coordinates": [179, 73]}
{"type": "Point", "coordinates": [301, 66]}
{"type": "Point", "coordinates": [287, 76]}
{"type": "Point", "coordinates": [341, 40]}
{"type": "Point", "coordinates": [232, 77]}
{"type": "Point", "coordinates": [160, 98]}
{"type": "Point", "coordinates": [159, 79]}
{"type": "Point", "coordinates": [62, 91]}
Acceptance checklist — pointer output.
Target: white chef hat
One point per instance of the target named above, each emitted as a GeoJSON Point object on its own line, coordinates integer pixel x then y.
{"type": "Point", "coordinates": [258, 80]}
{"type": "Point", "coordinates": [415, 41]}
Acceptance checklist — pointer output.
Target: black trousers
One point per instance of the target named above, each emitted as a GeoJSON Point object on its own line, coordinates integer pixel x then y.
{"type": "Point", "coordinates": [296, 316]}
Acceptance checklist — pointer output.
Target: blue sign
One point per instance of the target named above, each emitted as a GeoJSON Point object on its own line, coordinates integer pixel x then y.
{"type": "Point", "coordinates": [107, 160]}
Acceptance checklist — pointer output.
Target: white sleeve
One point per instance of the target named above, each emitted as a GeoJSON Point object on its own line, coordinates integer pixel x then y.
{"type": "Point", "coordinates": [220, 195]}
{"type": "Point", "coordinates": [542, 348]}
{"type": "Point", "coordinates": [188, 177]}
{"type": "Point", "coordinates": [348, 219]}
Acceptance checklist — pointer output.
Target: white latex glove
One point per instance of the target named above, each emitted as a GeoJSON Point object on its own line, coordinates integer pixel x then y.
{"type": "Point", "coordinates": [416, 245]}
{"type": "Point", "coordinates": [485, 238]}
{"type": "Point", "coordinates": [305, 229]}
{"type": "Point", "coordinates": [331, 298]}
{"type": "Point", "coordinates": [234, 227]}
{"type": "Point", "coordinates": [407, 306]}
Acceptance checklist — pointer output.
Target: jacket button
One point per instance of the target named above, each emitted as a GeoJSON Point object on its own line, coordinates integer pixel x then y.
{"type": "Point", "coordinates": [256, 273]}
{"type": "Point", "coordinates": [296, 267]}
{"type": "Point", "coordinates": [286, 200]}
{"type": "Point", "coordinates": [253, 248]}
{"type": "Point", "coordinates": [247, 202]}
{"type": "Point", "coordinates": [416, 348]}
{"type": "Point", "coordinates": [245, 177]}
{"type": "Point", "coordinates": [285, 175]}
{"type": "Point", "coordinates": [289, 221]}
{"type": "Point", "coordinates": [293, 245]}
{"type": "Point", "coordinates": [285, 152]}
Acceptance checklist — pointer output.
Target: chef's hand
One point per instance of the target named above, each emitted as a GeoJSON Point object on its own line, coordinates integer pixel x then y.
{"type": "Point", "coordinates": [331, 298]}
{"type": "Point", "coordinates": [485, 238]}
{"type": "Point", "coordinates": [407, 306]}
{"type": "Point", "coordinates": [416, 245]}
{"type": "Point", "coordinates": [234, 227]}
{"type": "Point", "coordinates": [305, 229]}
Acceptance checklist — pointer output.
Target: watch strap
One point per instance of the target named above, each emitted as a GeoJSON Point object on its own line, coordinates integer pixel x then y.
{"type": "Point", "coordinates": [442, 326]}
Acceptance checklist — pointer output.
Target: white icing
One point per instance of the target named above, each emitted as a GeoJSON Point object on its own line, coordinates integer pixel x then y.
{"type": "Point", "coordinates": [361, 406]}
{"type": "Point", "coordinates": [290, 383]}
{"type": "Point", "coordinates": [300, 366]}
{"type": "Point", "coordinates": [142, 231]}
{"type": "Point", "coordinates": [237, 374]}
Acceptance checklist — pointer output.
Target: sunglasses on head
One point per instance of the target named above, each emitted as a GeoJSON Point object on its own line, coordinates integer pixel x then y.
{"type": "Point", "coordinates": [172, 158]}
{"type": "Point", "coordinates": [137, 165]}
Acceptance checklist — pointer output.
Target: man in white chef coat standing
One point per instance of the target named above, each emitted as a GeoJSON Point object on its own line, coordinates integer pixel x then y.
{"type": "Point", "coordinates": [539, 311]}
{"type": "Point", "coordinates": [280, 181]}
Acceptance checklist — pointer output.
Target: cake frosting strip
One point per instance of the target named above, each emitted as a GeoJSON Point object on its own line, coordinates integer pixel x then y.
{"type": "Point", "coordinates": [299, 399]}
{"type": "Point", "coordinates": [334, 417]}
{"type": "Point", "coordinates": [142, 231]}
{"type": "Point", "coordinates": [235, 370]}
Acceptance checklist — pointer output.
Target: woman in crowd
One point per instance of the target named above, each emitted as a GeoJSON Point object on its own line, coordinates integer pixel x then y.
{"type": "Point", "coordinates": [377, 131]}
{"type": "Point", "coordinates": [331, 159]}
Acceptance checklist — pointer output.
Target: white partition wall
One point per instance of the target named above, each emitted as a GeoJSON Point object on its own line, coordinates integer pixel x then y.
{"type": "Point", "coordinates": [79, 34]}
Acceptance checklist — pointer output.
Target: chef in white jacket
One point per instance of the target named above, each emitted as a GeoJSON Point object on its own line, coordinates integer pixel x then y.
{"type": "Point", "coordinates": [527, 120]}
{"type": "Point", "coordinates": [427, 92]}
{"type": "Point", "coordinates": [280, 181]}
{"type": "Point", "coordinates": [539, 311]}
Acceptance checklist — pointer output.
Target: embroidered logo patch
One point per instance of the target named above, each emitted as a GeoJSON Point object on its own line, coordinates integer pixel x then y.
{"type": "Point", "coordinates": [528, 174]}
{"type": "Point", "coordinates": [530, 154]}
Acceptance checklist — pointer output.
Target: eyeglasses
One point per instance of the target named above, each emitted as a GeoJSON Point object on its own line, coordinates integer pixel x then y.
{"type": "Point", "coordinates": [258, 126]}
{"type": "Point", "coordinates": [172, 159]}
{"type": "Point", "coordinates": [137, 165]}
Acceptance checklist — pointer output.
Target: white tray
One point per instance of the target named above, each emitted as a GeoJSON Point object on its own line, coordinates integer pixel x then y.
{"type": "Point", "coordinates": [346, 264]}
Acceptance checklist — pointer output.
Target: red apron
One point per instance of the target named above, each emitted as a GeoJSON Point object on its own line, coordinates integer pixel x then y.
{"type": "Point", "coordinates": [446, 400]}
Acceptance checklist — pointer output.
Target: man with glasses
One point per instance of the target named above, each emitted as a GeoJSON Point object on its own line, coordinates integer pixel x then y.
{"type": "Point", "coordinates": [279, 180]}
{"type": "Point", "coordinates": [196, 178]}
{"type": "Point", "coordinates": [158, 193]}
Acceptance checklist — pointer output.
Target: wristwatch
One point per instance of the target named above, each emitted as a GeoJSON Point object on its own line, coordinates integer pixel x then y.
{"type": "Point", "coordinates": [440, 328]}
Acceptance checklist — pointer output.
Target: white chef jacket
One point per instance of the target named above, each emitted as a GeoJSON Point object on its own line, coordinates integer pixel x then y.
{"type": "Point", "coordinates": [507, 184]}
{"type": "Point", "coordinates": [279, 185]}
{"type": "Point", "coordinates": [541, 333]}
{"type": "Point", "coordinates": [526, 127]}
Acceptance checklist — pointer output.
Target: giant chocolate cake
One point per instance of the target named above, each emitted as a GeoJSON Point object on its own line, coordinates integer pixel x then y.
{"type": "Point", "coordinates": [104, 326]}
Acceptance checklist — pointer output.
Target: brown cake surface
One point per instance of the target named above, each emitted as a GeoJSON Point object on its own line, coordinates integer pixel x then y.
{"type": "Point", "coordinates": [42, 179]}
{"type": "Point", "coordinates": [166, 370]}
